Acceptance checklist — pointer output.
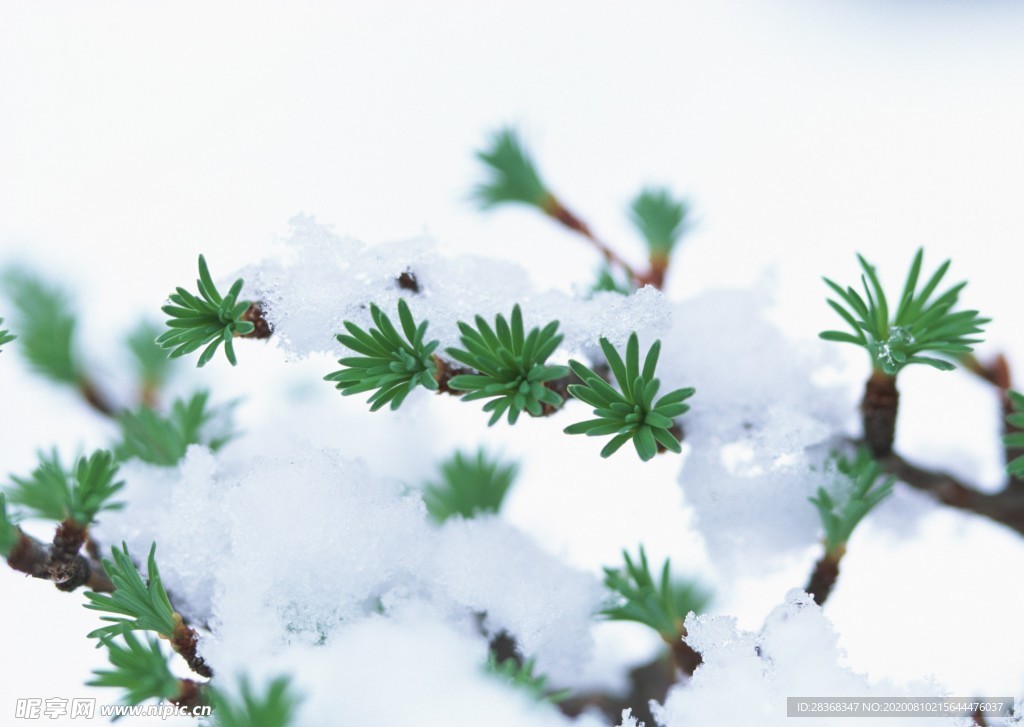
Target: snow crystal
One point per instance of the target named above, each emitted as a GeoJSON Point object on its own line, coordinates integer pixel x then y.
{"type": "Point", "coordinates": [746, 677]}
{"type": "Point", "coordinates": [759, 428]}
{"type": "Point", "coordinates": [547, 606]}
{"type": "Point", "coordinates": [325, 280]}
{"type": "Point", "coordinates": [628, 720]}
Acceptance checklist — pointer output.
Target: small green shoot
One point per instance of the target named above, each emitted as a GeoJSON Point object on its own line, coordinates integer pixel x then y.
{"type": "Point", "coordinates": [140, 668]}
{"type": "Point", "coordinates": [631, 413]}
{"type": "Point", "coordinates": [387, 363]}
{"type": "Point", "coordinates": [54, 493]}
{"type": "Point", "coordinates": [163, 440]}
{"type": "Point", "coordinates": [470, 485]}
{"type": "Point", "coordinates": [139, 605]}
{"type": "Point", "coordinates": [207, 320]}
{"type": "Point", "coordinates": [513, 175]}
{"type": "Point", "coordinates": [860, 488]}
{"type": "Point", "coordinates": [511, 364]}
{"type": "Point", "coordinates": [1015, 439]}
{"type": "Point", "coordinates": [276, 705]}
{"type": "Point", "coordinates": [921, 324]}
{"type": "Point", "coordinates": [521, 676]}
{"type": "Point", "coordinates": [663, 605]}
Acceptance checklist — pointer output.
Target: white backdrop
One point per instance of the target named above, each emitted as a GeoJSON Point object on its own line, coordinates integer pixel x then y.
{"type": "Point", "coordinates": [135, 135]}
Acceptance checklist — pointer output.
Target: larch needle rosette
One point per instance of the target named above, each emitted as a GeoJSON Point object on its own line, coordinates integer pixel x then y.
{"type": "Point", "coordinates": [511, 366]}
{"type": "Point", "coordinates": [207, 320]}
{"type": "Point", "coordinates": [387, 363]}
{"type": "Point", "coordinates": [921, 324]}
{"type": "Point", "coordinates": [630, 413]}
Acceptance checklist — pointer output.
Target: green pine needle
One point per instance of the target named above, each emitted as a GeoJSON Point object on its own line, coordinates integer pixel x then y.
{"type": "Point", "coordinates": [9, 533]}
{"type": "Point", "coordinates": [54, 493]}
{"type": "Point", "coordinates": [163, 440]}
{"type": "Point", "coordinates": [630, 414]}
{"type": "Point", "coordinates": [660, 218]}
{"type": "Point", "coordinates": [663, 604]}
{"type": "Point", "coordinates": [469, 485]}
{"type": "Point", "coordinates": [388, 363]}
{"type": "Point", "coordinates": [139, 605]}
{"type": "Point", "coordinates": [152, 364]}
{"type": "Point", "coordinates": [856, 494]}
{"type": "Point", "coordinates": [521, 676]}
{"type": "Point", "coordinates": [5, 336]}
{"type": "Point", "coordinates": [513, 175]}
{"type": "Point", "coordinates": [46, 326]}
{"type": "Point", "coordinates": [1015, 440]}
{"type": "Point", "coordinates": [606, 280]}
{"type": "Point", "coordinates": [511, 366]}
{"type": "Point", "coordinates": [276, 705]}
{"type": "Point", "coordinates": [207, 320]}
{"type": "Point", "coordinates": [140, 668]}
{"type": "Point", "coordinates": [922, 324]}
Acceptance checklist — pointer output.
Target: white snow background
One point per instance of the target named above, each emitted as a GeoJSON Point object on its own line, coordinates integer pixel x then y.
{"type": "Point", "coordinates": [135, 135]}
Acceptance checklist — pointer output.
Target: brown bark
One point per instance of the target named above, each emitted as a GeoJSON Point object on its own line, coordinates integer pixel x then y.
{"type": "Point", "coordinates": [823, 578]}
{"type": "Point", "coordinates": [254, 315]}
{"type": "Point", "coordinates": [191, 695]}
{"type": "Point", "coordinates": [95, 397]}
{"type": "Point", "coordinates": [31, 557]}
{"type": "Point", "coordinates": [184, 641]}
{"type": "Point", "coordinates": [878, 411]}
{"type": "Point", "coordinates": [64, 564]}
{"type": "Point", "coordinates": [1005, 507]}
{"type": "Point", "coordinates": [555, 209]}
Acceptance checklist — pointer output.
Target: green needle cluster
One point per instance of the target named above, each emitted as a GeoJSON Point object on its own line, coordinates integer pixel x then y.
{"type": "Point", "coordinates": [80, 495]}
{"type": "Point", "coordinates": [152, 364]}
{"type": "Point", "coordinates": [660, 218]}
{"type": "Point", "coordinates": [5, 336]}
{"type": "Point", "coordinates": [140, 668]}
{"type": "Point", "coordinates": [862, 487]}
{"type": "Point", "coordinates": [513, 174]}
{"type": "Point", "coordinates": [1015, 440]}
{"type": "Point", "coordinates": [388, 363]}
{"type": "Point", "coordinates": [163, 440]}
{"type": "Point", "coordinates": [138, 605]}
{"type": "Point", "coordinates": [631, 413]}
{"type": "Point", "coordinates": [470, 485]}
{"type": "Point", "coordinates": [207, 320]}
{"type": "Point", "coordinates": [663, 604]}
{"type": "Point", "coordinates": [46, 325]}
{"type": "Point", "coordinates": [9, 534]}
{"type": "Point", "coordinates": [521, 676]}
{"type": "Point", "coordinates": [275, 706]}
{"type": "Point", "coordinates": [921, 324]}
{"type": "Point", "coordinates": [511, 364]}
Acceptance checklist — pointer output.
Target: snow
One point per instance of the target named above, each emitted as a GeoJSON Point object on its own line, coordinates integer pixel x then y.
{"type": "Point", "coordinates": [321, 280]}
{"type": "Point", "coordinates": [747, 676]}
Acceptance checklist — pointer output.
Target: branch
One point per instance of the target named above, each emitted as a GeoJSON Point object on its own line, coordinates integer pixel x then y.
{"type": "Point", "coordinates": [33, 558]}
{"type": "Point", "coordinates": [1005, 507]}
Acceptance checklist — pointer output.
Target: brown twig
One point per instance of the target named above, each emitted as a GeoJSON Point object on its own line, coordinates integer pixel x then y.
{"type": "Point", "coordinates": [1005, 507]}
{"type": "Point", "coordinates": [555, 209]}
{"type": "Point", "coordinates": [191, 694]}
{"type": "Point", "coordinates": [254, 315]}
{"type": "Point", "coordinates": [878, 411]}
{"type": "Point", "coordinates": [997, 373]}
{"type": "Point", "coordinates": [65, 567]}
{"type": "Point", "coordinates": [184, 640]}
{"type": "Point", "coordinates": [823, 577]}
{"type": "Point", "coordinates": [33, 558]}
{"type": "Point", "coordinates": [650, 681]}
{"type": "Point", "coordinates": [95, 397]}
